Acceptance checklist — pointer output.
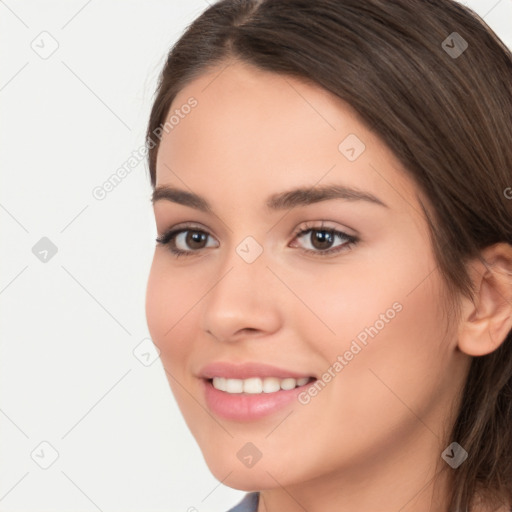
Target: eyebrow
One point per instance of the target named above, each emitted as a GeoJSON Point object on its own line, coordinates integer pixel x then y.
{"type": "Point", "coordinates": [281, 201]}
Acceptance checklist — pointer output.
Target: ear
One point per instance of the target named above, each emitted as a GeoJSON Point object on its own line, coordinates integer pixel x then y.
{"type": "Point", "coordinates": [486, 323]}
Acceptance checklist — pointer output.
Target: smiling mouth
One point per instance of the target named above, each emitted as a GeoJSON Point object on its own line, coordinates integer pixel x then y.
{"type": "Point", "coordinates": [258, 385]}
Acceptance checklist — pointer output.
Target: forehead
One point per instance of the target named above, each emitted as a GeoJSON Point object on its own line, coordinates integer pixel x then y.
{"type": "Point", "coordinates": [251, 130]}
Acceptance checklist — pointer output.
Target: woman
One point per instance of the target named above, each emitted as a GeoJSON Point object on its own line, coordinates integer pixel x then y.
{"type": "Point", "coordinates": [331, 290]}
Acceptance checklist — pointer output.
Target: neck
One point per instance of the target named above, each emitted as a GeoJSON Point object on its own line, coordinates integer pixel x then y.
{"type": "Point", "coordinates": [413, 478]}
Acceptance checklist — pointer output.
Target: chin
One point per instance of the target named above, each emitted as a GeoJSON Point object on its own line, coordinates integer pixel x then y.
{"type": "Point", "coordinates": [243, 478]}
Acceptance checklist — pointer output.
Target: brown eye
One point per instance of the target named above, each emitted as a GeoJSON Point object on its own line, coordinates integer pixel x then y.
{"type": "Point", "coordinates": [185, 241]}
{"type": "Point", "coordinates": [321, 240]}
{"type": "Point", "coordinates": [195, 239]}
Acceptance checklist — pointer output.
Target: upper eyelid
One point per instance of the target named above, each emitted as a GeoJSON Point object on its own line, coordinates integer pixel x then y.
{"type": "Point", "coordinates": [185, 227]}
{"type": "Point", "coordinates": [180, 228]}
{"type": "Point", "coordinates": [299, 231]}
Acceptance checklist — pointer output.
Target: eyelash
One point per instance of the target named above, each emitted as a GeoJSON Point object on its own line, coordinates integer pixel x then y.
{"type": "Point", "coordinates": [170, 235]}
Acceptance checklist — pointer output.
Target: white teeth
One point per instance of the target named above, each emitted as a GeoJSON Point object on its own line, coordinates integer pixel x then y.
{"type": "Point", "coordinates": [234, 385]}
{"type": "Point", "coordinates": [256, 385]}
{"type": "Point", "coordinates": [288, 383]}
{"type": "Point", "coordinates": [271, 385]}
{"type": "Point", "coordinates": [253, 385]}
{"type": "Point", "coordinates": [219, 383]}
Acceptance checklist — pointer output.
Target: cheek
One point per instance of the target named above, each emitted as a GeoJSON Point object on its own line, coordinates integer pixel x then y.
{"type": "Point", "coordinates": [388, 331]}
{"type": "Point", "coordinates": [158, 303]}
{"type": "Point", "coordinates": [167, 300]}
{"type": "Point", "coordinates": [170, 298]}
{"type": "Point", "coordinates": [394, 372]}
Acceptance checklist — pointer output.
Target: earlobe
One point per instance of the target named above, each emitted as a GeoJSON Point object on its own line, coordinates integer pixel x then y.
{"type": "Point", "coordinates": [487, 320]}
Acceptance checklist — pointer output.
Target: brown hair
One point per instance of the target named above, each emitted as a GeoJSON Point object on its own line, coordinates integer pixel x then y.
{"type": "Point", "coordinates": [446, 116]}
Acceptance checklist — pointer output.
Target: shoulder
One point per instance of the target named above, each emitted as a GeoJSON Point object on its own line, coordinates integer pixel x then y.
{"type": "Point", "coordinates": [249, 503]}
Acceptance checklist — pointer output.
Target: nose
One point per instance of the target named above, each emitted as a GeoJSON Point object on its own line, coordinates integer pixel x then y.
{"type": "Point", "coordinates": [245, 300]}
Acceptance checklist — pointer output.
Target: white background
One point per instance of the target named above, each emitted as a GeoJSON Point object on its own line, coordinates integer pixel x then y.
{"type": "Point", "coordinates": [69, 376]}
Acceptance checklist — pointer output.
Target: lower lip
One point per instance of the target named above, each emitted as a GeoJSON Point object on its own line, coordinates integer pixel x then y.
{"type": "Point", "coordinates": [247, 406]}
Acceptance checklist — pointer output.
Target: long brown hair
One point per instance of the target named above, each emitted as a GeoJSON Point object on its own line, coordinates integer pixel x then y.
{"type": "Point", "coordinates": [442, 102]}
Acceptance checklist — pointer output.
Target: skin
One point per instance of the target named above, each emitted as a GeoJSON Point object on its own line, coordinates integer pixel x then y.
{"type": "Point", "coordinates": [372, 438]}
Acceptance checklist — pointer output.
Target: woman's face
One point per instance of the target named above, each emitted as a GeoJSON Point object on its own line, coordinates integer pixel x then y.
{"type": "Point", "coordinates": [362, 315]}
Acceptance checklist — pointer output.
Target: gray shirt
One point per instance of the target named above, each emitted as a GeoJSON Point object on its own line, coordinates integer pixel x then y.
{"type": "Point", "coordinates": [249, 503]}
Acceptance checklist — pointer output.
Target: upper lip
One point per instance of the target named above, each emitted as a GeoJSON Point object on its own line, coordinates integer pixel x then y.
{"type": "Point", "coordinates": [247, 370]}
